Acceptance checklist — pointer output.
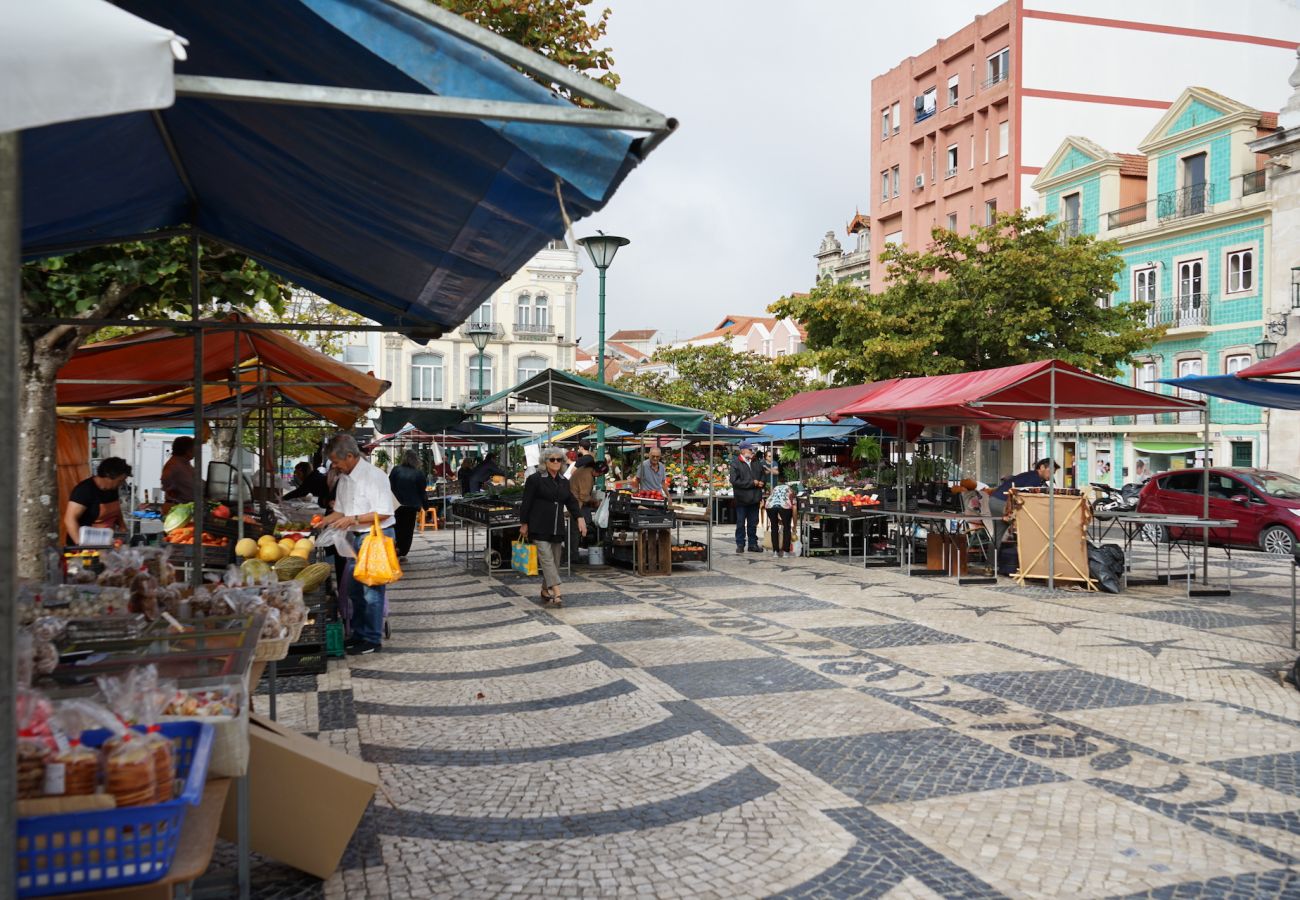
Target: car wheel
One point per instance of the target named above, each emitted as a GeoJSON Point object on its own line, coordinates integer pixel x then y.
{"type": "Point", "coordinates": [1156, 534]}
{"type": "Point", "coordinates": [1278, 540]}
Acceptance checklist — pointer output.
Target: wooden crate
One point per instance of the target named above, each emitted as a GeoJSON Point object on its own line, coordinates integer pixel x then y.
{"type": "Point", "coordinates": [654, 552]}
{"type": "Point", "coordinates": [1032, 517]}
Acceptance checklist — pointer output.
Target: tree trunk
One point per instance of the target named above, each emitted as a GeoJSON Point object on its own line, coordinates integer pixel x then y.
{"type": "Point", "coordinates": [38, 485]}
{"type": "Point", "coordinates": [970, 452]}
{"type": "Point", "coordinates": [223, 441]}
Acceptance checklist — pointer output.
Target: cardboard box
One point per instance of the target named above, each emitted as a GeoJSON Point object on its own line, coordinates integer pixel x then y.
{"type": "Point", "coordinates": [306, 798]}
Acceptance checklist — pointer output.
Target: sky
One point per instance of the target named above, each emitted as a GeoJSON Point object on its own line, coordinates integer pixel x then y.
{"type": "Point", "coordinates": [773, 100]}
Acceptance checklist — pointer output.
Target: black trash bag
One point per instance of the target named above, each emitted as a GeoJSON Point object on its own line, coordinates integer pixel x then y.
{"type": "Point", "coordinates": [1106, 567]}
{"type": "Point", "coordinates": [1008, 559]}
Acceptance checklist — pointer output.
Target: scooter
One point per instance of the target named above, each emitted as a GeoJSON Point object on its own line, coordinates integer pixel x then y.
{"type": "Point", "coordinates": [1124, 499]}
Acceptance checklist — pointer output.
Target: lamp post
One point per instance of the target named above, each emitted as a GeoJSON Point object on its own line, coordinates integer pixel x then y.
{"type": "Point", "coordinates": [479, 333]}
{"type": "Point", "coordinates": [1266, 347]}
{"type": "Point", "coordinates": [601, 248]}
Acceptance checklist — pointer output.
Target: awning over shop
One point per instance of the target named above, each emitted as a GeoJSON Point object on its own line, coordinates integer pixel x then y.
{"type": "Point", "coordinates": [1165, 448]}
{"type": "Point", "coordinates": [430, 421]}
{"type": "Point", "coordinates": [390, 157]}
{"type": "Point", "coordinates": [1028, 392]}
{"type": "Point", "coordinates": [819, 430]}
{"type": "Point", "coordinates": [303, 376]}
{"type": "Point", "coordinates": [1255, 391]}
{"type": "Point", "coordinates": [621, 409]}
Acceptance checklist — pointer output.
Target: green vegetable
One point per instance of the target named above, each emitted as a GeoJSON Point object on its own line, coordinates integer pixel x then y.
{"type": "Point", "coordinates": [181, 514]}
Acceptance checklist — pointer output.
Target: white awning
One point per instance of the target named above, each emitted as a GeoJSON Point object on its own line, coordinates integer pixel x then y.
{"type": "Point", "coordinates": [62, 60]}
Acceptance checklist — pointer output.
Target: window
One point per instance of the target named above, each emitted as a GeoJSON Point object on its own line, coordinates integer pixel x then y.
{"type": "Point", "coordinates": [523, 310]}
{"type": "Point", "coordinates": [1144, 291]}
{"type": "Point", "coordinates": [480, 385]}
{"type": "Point", "coordinates": [986, 145]}
{"type": "Point", "coordinates": [1144, 378]}
{"type": "Point", "coordinates": [896, 115]}
{"type": "Point", "coordinates": [767, 347]}
{"type": "Point", "coordinates": [884, 123]}
{"type": "Point", "coordinates": [1182, 482]}
{"type": "Point", "coordinates": [1004, 139]}
{"type": "Point", "coordinates": [541, 312]}
{"type": "Point", "coordinates": [884, 185]}
{"type": "Point", "coordinates": [529, 366]}
{"type": "Point", "coordinates": [1243, 456]}
{"type": "Point", "coordinates": [1235, 362]}
{"type": "Point", "coordinates": [1188, 367]}
{"type": "Point", "coordinates": [1195, 189]}
{"type": "Point", "coordinates": [426, 378]}
{"type": "Point", "coordinates": [482, 315]}
{"type": "Point", "coordinates": [1241, 271]}
{"type": "Point", "coordinates": [954, 90]}
{"type": "Point", "coordinates": [357, 356]}
{"type": "Point", "coordinates": [971, 158]}
{"type": "Point", "coordinates": [990, 211]}
{"type": "Point", "coordinates": [926, 104]}
{"type": "Point", "coordinates": [894, 174]}
{"type": "Point", "coordinates": [952, 221]}
{"type": "Point", "coordinates": [1190, 306]}
{"type": "Point", "coordinates": [952, 161]}
{"type": "Point", "coordinates": [1070, 213]}
{"type": "Point", "coordinates": [998, 67]}
{"type": "Point", "coordinates": [894, 237]}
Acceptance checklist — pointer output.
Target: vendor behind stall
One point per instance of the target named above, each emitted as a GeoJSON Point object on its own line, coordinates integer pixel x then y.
{"type": "Point", "coordinates": [178, 474]}
{"type": "Point", "coordinates": [1039, 476]}
{"type": "Point", "coordinates": [96, 501]}
{"type": "Point", "coordinates": [650, 476]}
{"type": "Point", "coordinates": [310, 481]}
{"type": "Point", "coordinates": [485, 471]}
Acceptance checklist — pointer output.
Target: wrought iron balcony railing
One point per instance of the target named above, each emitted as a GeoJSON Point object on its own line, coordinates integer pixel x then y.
{"type": "Point", "coordinates": [1071, 228]}
{"type": "Point", "coordinates": [993, 80]}
{"type": "Point", "coordinates": [532, 331]}
{"type": "Point", "coordinates": [1192, 200]}
{"type": "Point", "coordinates": [498, 330]}
{"type": "Point", "coordinates": [1189, 310]}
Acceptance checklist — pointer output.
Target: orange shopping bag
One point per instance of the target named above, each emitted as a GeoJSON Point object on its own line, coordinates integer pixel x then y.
{"type": "Point", "coordinates": [377, 559]}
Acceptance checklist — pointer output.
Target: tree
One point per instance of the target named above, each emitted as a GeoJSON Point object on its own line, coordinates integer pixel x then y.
{"type": "Point", "coordinates": [728, 385]}
{"type": "Point", "coordinates": [556, 29]}
{"type": "Point", "coordinates": [145, 279]}
{"type": "Point", "coordinates": [1013, 292]}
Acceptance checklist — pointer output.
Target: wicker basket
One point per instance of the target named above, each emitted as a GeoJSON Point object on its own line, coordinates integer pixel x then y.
{"type": "Point", "coordinates": [273, 650]}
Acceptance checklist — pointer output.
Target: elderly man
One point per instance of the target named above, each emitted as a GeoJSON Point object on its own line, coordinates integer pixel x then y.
{"type": "Point", "coordinates": [746, 476]}
{"type": "Point", "coordinates": [361, 494]}
{"type": "Point", "coordinates": [650, 476]}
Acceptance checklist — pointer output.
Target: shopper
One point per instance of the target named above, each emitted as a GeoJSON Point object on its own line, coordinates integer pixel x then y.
{"type": "Point", "coordinates": [408, 482]}
{"type": "Point", "coordinates": [464, 472]}
{"type": "Point", "coordinates": [362, 493]}
{"type": "Point", "coordinates": [178, 474]}
{"type": "Point", "coordinates": [96, 501]}
{"type": "Point", "coordinates": [650, 476]}
{"type": "Point", "coordinates": [781, 516]}
{"type": "Point", "coordinates": [546, 497]}
{"type": "Point", "coordinates": [746, 477]}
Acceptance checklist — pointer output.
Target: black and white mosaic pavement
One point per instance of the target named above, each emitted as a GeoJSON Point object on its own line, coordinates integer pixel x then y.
{"type": "Point", "coordinates": [806, 728]}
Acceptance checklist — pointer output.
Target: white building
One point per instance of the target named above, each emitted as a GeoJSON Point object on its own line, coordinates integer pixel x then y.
{"type": "Point", "coordinates": [765, 335]}
{"type": "Point", "coordinates": [533, 316]}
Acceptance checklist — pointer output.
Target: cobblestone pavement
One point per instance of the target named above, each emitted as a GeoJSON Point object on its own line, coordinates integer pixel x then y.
{"type": "Point", "coordinates": [805, 728]}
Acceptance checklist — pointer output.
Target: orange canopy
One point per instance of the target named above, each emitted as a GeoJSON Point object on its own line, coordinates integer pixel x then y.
{"type": "Point", "coordinates": [302, 375]}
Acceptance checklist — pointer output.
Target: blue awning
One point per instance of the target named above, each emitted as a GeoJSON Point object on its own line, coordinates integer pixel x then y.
{"type": "Point", "coordinates": [819, 430]}
{"type": "Point", "coordinates": [1277, 395]}
{"type": "Point", "coordinates": [411, 220]}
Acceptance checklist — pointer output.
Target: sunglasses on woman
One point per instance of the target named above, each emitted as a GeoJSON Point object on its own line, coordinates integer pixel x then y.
{"type": "Point", "coordinates": [555, 459]}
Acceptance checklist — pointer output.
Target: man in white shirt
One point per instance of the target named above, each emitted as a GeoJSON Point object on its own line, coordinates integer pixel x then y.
{"type": "Point", "coordinates": [363, 492]}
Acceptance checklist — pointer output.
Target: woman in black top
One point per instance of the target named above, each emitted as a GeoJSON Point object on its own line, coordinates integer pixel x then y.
{"type": "Point", "coordinates": [546, 497]}
{"type": "Point", "coordinates": [96, 501]}
{"type": "Point", "coordinates": [407, 482]}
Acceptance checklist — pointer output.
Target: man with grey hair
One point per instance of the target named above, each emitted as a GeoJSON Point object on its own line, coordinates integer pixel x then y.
{"type": "Point", "coordinates": [363, 493]}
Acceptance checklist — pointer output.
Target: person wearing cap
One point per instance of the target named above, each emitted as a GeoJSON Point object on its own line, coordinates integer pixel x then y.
{"type": "Point", "coordinates": [746, 476]}
{"type": "Point", "coordinates": [1039, 476]}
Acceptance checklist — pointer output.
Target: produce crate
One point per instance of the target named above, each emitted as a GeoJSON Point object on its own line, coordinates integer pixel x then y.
{"type": "Point", "coordinates": [106, 848]}
{"type": "Point", "coordinates": [651, 518]}
{"type": "Point", "coordinates": [303, 659]}
{"type": "Point", "coordinates": [213, 557]}
{"type": "Point", "coordinates": [654, 553]}
{"type": "Point", "coordinates": [689, 551]}
{"type": "Point", "coordinates": [310, 636]}
{"type": "Point", "coordinates": [334, 640]}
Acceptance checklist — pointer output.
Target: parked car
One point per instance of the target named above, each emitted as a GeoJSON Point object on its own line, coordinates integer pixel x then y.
{"type": "Point", "coordinates": [1265, 504]}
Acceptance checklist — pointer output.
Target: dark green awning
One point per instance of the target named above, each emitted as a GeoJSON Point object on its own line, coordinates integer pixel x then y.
{"type": "Point", "coordinates": [574, 393]}
{"type": "Point", "coordinates": [430, 421]}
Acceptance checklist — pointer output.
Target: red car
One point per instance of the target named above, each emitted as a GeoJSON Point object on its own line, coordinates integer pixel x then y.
{"type": "Point", "coordinates": [1265, 504]}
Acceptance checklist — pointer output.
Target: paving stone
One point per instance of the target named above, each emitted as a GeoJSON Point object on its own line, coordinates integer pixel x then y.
{"type": "Point", "coordinates": [739, 676]}
{"type": "Point", "coordinates": [1066, 689]}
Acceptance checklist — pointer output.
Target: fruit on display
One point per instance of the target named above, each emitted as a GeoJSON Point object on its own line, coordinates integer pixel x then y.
{"type": "Point", "coordinates": [247, 548]}
{"type": "Point", "coordinates": [648, 495]}
{"type": "Point", "coordinates": [270, 552]}
{"type": "Point", "coordinates": [254, 569]}
{"type": "Point", "coordinates": [286, 544]}
{"type": "Point", "coordinates": [288, 568]}
{"type": "Point", "coordinates": [221, 511]}
{"type": "Point", "coordinates": [185, 535]}
{"type": "Point", "coordinates": [313, 576]}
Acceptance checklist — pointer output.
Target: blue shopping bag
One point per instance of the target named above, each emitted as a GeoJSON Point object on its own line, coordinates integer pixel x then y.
{"type": "Point", "coordinates": [523, 557]}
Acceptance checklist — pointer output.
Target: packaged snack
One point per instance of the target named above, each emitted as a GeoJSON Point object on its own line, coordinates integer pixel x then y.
{"type": "Point", "coordinates": [152, 697]}
{"type": "Point", "coordinates": [73, 770]}
{"type": "Point", "coordinates": [35, 742]}
{"type": "Point", "coordinates": [130, 770]}
{"type": "Point", "coordinates": [144, 595]}
{"type": "Point", "coordinates": [224, 701]}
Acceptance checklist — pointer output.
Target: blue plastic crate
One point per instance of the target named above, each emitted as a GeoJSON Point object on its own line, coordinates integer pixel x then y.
{"type": "Point", "coordinates": [113, 847]}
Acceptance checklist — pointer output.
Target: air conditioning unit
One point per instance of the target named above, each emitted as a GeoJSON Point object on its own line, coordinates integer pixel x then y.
{"type": "Point", "coordinates": [920, 182]}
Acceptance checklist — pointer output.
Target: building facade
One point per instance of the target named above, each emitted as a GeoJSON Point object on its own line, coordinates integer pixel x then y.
{"type": "Point", "coordinates": [853, 265]}
{"type": "Point", "coordinates": [960, 130]}
{"type": "Point", "coordinates": [533, 317]}
{"type": "Point", "coordinates": [1193, 219]}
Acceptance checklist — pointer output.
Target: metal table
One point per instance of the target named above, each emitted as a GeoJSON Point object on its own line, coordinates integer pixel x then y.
{"type": "Point", "coordinates": [471, 526]}
{"type": "Point", "coordinates": [1134, 524]}
{"type": "Point", "coordinates": [906, 522]}
{"type": "Point", "coordinates": [805, 527]}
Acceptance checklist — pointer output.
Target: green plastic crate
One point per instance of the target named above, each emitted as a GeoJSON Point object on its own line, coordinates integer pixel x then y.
{"type": "Point", "coordinates": [334, 639]}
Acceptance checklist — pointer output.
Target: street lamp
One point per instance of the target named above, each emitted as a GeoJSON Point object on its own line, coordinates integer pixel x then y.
{"type": "Point", "coordinates": [1266, 347]}
{"type": "Point", "coordinates": [479, 333]}
{"type": "Point", "coordinates": [601, 248]}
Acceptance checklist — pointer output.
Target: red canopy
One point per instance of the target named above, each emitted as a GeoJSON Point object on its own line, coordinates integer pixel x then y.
{"type": "Point", "coordinates": [1027, 392]}
{"type": "Point", "coordinates": [816, 404]}
{"type": "Point", "coordinates": [306, 377]}
{"type": "Point", "coordinates": [1287, 363]}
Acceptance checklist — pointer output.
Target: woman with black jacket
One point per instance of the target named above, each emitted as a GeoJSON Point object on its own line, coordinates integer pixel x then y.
{"type": "Point", "coordinates": [546, 497]}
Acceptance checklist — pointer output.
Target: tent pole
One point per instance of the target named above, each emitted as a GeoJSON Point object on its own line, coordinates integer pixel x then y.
{"type": "Point", "coordinates": [1205, 497]}
{"type": "Point", "coordinates": [196, 570]}
{"type": "Point", "coordinates": [900, 493]}
{"type": "Point", "coordinates": [708, 557]}
{"type": "Point", "coordinates": [10, 297]}
{"type": "Point", "coordinates": [239, 441]}
{"type": "Point", "coordinates": [1051, 482]}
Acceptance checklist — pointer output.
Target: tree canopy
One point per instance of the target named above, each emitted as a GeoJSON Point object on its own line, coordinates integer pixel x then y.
{"type": "Point", "coordinates": [728, 385]}
{"type": "Point", "coordinates": [1018, 290]}
{"type": "Point", "coordinates": [556, 29]}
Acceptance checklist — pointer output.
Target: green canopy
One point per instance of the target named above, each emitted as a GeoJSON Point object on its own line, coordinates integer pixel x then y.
{"type": "Point", "coordinates": [1190, 445]}
{"type": "Point", "coordinates": [600, 401]}
{"type": "Point", "coordinates": [430, 421]}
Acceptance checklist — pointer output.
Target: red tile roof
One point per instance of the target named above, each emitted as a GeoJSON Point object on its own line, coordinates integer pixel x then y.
{"type": "Point", "coordinates": [733, 326]}
{"type": "Point", "coordinates": [859, 222]}
{"type": "Point", "coordinates": [638, 335]}
{"type": "Point", "coordinates": [1132, 164]}
{"type": "Point", "coordinates": [627, 349]}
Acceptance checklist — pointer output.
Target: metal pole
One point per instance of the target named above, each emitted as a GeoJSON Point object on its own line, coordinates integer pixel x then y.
{"type": "Point", "coordinates": [239, 442]}
{"type": "Point", "coordinates": [1205, 498]}
{"type": "Point", "coordinates": [600, 372]}
{"type": "Point", "coordinates": [196, 571]}
{"type": "Point", "coordinates": [1051, 481]}
{"type": "Point", "coordinates": [708, 539]}
{"type": "Point", "coordinates": [10, 296]}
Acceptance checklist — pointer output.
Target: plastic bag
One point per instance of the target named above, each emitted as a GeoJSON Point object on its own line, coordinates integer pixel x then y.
{"type": "Point", "coordinates": [35, 744]}
{"type": "Point", "coordinates": [73, 771]}
{"type": "Point", "coordinates": [338, 540]}
{"type": "Point", "coordinates": [601, 517]}
{"type": "Point", "coordinates": [152, 697]}
{"type": "Point", "coordinates": [377, 559]}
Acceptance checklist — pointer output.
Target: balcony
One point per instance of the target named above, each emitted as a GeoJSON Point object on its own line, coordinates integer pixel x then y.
{"type": "Point", "coordinates": [1253, 183]}
{"type": "Point", "coordinates": [532, 331]}
{"type": "Point", "coordinates": [993, 80]}
{"type": "Point", "coordinates": [1129, 215]}
{"type": "Point", "coordinates": [498, 330]}
{"type": "Point", "coordinates": [1187, 311]}
{"type": "Point", "coordinates": [472, 397]}
{"type": "Point", "coordinates": [923, 114]}
{"type": "Point", "coordinates": [1193, 200]}
{"type": "Point", "coordinates": [1071, 228]}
